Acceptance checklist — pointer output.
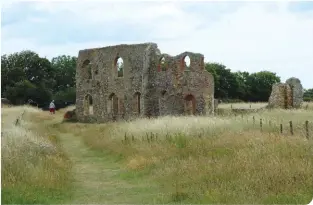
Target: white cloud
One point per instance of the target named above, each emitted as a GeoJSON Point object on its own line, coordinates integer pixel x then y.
{"type": "Point", "coordinates": [252, 37]}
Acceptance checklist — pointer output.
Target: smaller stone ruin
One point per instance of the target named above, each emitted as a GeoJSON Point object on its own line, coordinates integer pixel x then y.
{"type": "Point", "coordinates": [286, 95]}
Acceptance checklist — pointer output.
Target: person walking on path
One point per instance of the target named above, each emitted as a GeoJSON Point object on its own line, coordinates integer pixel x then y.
{"type": "Point", "coordinates": [52, 107]}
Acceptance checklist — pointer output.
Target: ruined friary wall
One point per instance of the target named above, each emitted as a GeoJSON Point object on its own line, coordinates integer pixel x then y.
{"type": "Point", "coordinates": [161, 92]}
{"type": "Point", "coordinates": [105, 82]}
{"type": "Point", "coordinates": [177, 81]}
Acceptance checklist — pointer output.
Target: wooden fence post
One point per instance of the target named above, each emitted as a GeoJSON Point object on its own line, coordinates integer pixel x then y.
{"type": "Point", "coordinates": [281, 128]}
{"type": "Point", "coordinates": [253, 120]}
{"type": "Point", "coordinates": [261, 124]}
{"type": "Point", "coordinates": [291, 127]}
{"type": "Point", "coordinates": [307, 129]}
{"type": "Point", "coordinates": [151, 136]}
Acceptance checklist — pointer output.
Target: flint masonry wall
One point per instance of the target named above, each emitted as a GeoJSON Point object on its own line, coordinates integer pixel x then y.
{"type": "Point", "coordinates": [176, 81]}
{"type": "Point", "coordinates": [286, 95]}
{"type": "Point", "coordinates": [145, 90]}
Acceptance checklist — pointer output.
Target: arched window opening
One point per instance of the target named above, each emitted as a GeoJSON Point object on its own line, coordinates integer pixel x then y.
{"type": "Point", "coordinates": [190, 105]}
{"type": "Point", "coordinates": [119, 66]}
{"type": "Point", "coordinates": [121, 107]}
{"type": "Point", "coordinates": [113, 104]}
{"type": "Point", "coordinates": [186, 63]}
{"type": "Point", "coordinates": [87, 69]}
{"type": "Point", "coordinates": [162, 64]}
{"type": "Point", "coordinates": [136, 106]}
{"type": "Point", "coordinates": [88, 105]}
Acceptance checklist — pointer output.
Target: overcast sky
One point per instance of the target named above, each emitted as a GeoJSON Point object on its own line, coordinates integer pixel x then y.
{"type": "Point", "coordinates": [245, 36]}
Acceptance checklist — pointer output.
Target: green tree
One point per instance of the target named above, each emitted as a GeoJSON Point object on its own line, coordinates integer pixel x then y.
{"type": "Point", "coordinates": [67, 95]}
{"type": "Point", "coordinates": [243, 88]}
{"type": "Point", "coordinates": [27, 69]}
{"type": "Point", "coordinates": [20, 92]}
{"type": "Point", "coordinates": [9, 73]}
{"type": "Point", "coordinates": [260, 85]}
{"type": "Point", "coordinates": [65, 70]}
{"type": "Point", "coordinates": [308, 95]}
{"type": "Point", "coordinates": [226, 83]}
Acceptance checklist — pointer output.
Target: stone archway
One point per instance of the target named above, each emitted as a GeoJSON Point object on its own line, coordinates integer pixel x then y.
{"type": "Point", "coordinates": [136, 103]}
{"type": "Point", "coordinates": [113, 105]}
{"type": "Point", "coordinates": [190, 105]}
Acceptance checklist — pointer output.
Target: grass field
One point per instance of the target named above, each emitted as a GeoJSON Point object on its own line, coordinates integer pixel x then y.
{"type": "Point", "coordinates": [34, 169]}
{"type": "Point", "coordinates": [177, 159]}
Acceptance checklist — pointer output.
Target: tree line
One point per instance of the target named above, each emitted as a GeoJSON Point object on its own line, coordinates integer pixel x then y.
{"type": "Point", "coordinates": [27, 76]}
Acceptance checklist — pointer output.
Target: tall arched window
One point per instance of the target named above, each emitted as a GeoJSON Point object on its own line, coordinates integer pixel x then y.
{"type": "Point", "coordinates": [119, 66]}
{"type": "Point", "coordinates": [190, 105]}
{"type": "Point", "coordinates": [136, 106]}
{"type": "Point", "coordinates": [162, 64]}
{"type": "Point", "coordinates": [186, 63]}
{"type": "Point", "coordinates": [88, 105]}
{"type": "Point", "coordinates": [113, 104]}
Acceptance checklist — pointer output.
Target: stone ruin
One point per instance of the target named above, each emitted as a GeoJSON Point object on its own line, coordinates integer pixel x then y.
{"type": "Point", "coordinates": [124, 82]}
{"type": "Point", "coordinates": [286, 95]}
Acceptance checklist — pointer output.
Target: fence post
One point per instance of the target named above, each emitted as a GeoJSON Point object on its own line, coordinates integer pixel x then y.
{"type": "Point", "coordinates": [151, 136]}
{"type": "Point", "coordinates": [307, 129]}
{"type": "Point", "coordinates": [250, 106]}
{"type": "Point", "coordinates": [261, 124]}
{"type": "Point", "coordinates": [281, 128]}
{"type": "Point", "coordinates": [291, 127]}
{"type": "Point", "coordinates": [253, 120]}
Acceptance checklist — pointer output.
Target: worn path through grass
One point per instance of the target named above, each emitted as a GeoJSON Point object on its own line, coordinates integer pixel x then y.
{"type": "Point", "coordinates": [100, 178]}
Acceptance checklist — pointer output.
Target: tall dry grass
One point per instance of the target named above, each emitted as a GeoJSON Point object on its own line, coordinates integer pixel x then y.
{"type": "Point", "coordinates": [34, 169]}
{"type": "Point", "coordinates": [252, 105]}
{"type": "Point", "coordinates": [257, 105]}
{"type": "Point", "coordinates": [215, 159]}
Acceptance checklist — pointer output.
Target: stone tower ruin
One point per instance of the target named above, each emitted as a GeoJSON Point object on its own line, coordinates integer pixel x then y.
{"type": "Point", "coordinates": [131, 81]}
{"type": "Point", "coordinates": [286, 95]}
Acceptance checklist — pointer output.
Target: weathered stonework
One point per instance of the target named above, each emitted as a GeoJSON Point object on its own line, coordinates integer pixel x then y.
{"type": "Point", "coordinates": [286, 95]}
{"type": "Point", "coordinates": [297, 91]}
{"type": "Point", "coordinates": [152, 84]}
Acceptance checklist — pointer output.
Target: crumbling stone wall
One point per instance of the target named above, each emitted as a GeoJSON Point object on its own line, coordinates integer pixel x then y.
{"type": "Point", "coordinates": [286, 95]}
{"type": "Point", "coordinates": [297, 91]}
{"type": "Point", "coordinates": [149, 87]}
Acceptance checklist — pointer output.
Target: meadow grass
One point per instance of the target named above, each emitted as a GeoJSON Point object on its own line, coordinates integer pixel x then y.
{"type": "Point", "coordinates": [221, 159]}
{"type": "Point", "coordinates": [256, 105]}
{"type": "Point", "coordinates": [252, 105]}
{"type": "Point", "coordinates": [34, 168]}
{"type": "Point", "coordinates": [214, 159]}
